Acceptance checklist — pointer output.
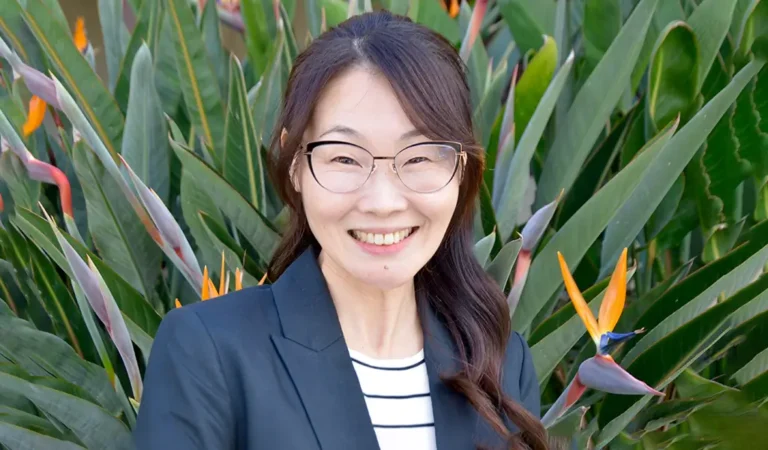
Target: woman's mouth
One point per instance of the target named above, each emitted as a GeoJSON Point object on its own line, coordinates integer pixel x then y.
{"type": "Point", "coordinates": [382, 239]}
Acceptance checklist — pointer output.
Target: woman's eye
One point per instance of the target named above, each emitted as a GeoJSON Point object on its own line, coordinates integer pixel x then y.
{"type": "Point", "coordinates": [344, 160]}
{"type": "Point", "coordinates": [417, 159]}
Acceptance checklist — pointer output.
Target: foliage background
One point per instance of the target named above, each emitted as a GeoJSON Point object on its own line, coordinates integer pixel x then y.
{"type": "Point", "coordinates": [608, 124]}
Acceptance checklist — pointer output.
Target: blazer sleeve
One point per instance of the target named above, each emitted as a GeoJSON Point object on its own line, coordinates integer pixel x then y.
{"type": "Point", "coordinates": [186, 403]}
{"type": "Point", "coordinates": [529, 382]}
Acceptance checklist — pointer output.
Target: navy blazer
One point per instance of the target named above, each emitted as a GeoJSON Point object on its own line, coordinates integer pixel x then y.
{"type": "Point", "coordinates": [267, 368]}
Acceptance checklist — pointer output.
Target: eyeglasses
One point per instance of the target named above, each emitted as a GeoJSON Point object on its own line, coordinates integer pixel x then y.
{"type": "Point", "coordinates": [342, 167]}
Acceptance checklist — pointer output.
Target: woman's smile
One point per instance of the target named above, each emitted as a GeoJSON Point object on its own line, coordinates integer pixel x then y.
{"type": "Point", "coordinates": [382, 241]}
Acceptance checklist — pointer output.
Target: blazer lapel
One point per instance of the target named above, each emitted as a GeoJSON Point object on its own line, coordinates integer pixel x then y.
{"type": "Point", "coordinates": [456, 421]}
{"type": "Point", "coordinates": [315, 354]}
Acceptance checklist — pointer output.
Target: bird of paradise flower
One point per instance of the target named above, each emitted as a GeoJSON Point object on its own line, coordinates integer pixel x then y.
{"type": "Point", "coordinates": [208, 289]}
{"type": "Point", "coordinates": [599, 372]}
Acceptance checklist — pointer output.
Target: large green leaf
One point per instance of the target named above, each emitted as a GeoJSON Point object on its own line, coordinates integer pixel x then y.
{"type": "Point", "coordinates": [529, 21]}
{"type": "Point", "coordinates": [710, 22]}
{"type": "Point", "coordinates": [517, 177]}
{"type": "Point", "coordinates": [254, 226]}
{"type": "Point", "coordinates": [241, 162]}
{"type": "Point", "coordinates": [25, 192]}
{"type": "Point", "coordinates": [198, 80]}
{"type": "Point", "coordinates": [602, 22]}
{"type": "Point", "coordinates": [116, 37]}
{"type": "Point", "coordinates": [117, 233]}
{"type": "Point", "coordinates": [38, 352]}
{"type": "Point", "coordinates": [576, 236]}
{"type": "Point", "coordinates": [533, 83]}
{"type": "Point", "coordinates": [673, 75]}
{"type": "Point", "coordinates": [217, 54]}
{"type": "Point", "coordinates": [195, 200]}
{"type": "Point", "coordinates": [501, 267]}
{"type": "Point", "coordinates": [93, 98]}
{"type": "Point", "coordinates": [94, 426]}
{"type": "Point", "coordinates": [599, 94]}
{"type": "Point", "coordinates": [145, 145]}
{"type": "Point", "coordinates": [234, 255]}
{"type": "Point", "coordinates": [145, 32]}
{"type": "Point", "coordinates": [21, 438]}
{"type": "Point", "coordinates": [663, 172]}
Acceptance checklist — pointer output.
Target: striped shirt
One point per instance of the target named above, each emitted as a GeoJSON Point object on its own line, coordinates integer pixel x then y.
{"type": "Point", "coordinates": [397, 395]}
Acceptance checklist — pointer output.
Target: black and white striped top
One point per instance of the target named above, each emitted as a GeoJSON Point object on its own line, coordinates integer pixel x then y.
{"type": "Point", "coordinates": [397, 394]}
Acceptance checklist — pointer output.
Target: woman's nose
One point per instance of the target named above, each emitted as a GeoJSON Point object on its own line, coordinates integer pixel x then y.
{"type": "Point", "coordinates": [383, 193]}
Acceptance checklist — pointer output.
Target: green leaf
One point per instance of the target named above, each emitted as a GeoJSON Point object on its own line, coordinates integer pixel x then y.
{"type": "Point", "coordinates": [145, 145]}
{"type": "Point", "coordinates": [576, 236]}
{"type": "Point", "coordinates": [750, 123]}
{"type": "Point", "coordinates": [501, 267]}
{"type": "Point", "coordinates": [663, 172]}
{"type": "Point", "coordinates": [22, 438]}
{"type": "Point", "coordinates": [25, 192]}
{"type": "Point", "coordinates": [756, 367]}
{"type": "Point", "coordinates": [217, 54]}
{"type": "Point", "coordinates": [93, 98]}
{"type": "Point", "coordinates": [116, 37]}
{"type": "Point", "coordinates": [94, 426]}
{"type": "Point", "coordinates": [602, 22]}
{"type": "Point", "coordinates": [199, 86]}
{"type": "Point", "coordinates": [673, 81]}
{"type": "Point", "coordinates": [710, 22]}
{"type": "Point", "coordinates": [517, 177]}
{"type": "Point", "coordinates": [195, 200]}
{"type": "Point", "coordinates": [529, 21]}
{"type": "Point", "coordinates": [118, 234]}
{"type": "Point", "coordinates": [483, 248]}
{"type": "Point", "coordinates": [241, 161]}
{"type": "Point", "coordinates": [269, 92]}
{"type": "Point", "coordinates": [145, 32]}
{"type": "Point", "coordinates": [599, 96]}
{"type": "Point", "coordinates": [257, 35]}
{"type": "Point", "coordinates": [234, 255]}
{"type": "Point", "coordinates": [533, 84]}
{"type": "Point", "coordinates": [254, 226]}
{"type": "Point", "coordinates": [432, 15]}
{"type": "Point", "coordinates": [29, 348]}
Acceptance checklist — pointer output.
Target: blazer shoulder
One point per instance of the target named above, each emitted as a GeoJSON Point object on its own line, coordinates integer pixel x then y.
{"type": "Point", "coordinates": [239, 314]}
{"type": "Point", "coordinates": [520, 374]}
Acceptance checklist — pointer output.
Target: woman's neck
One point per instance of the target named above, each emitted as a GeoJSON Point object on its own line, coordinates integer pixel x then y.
{"type": "Point", "coordinates": [378, 323]}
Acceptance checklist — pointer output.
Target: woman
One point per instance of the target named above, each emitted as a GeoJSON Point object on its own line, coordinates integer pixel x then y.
{"type": "Point", "coordinates": [380, 329]}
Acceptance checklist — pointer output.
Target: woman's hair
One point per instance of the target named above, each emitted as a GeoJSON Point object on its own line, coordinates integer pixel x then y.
{"type": "Point", "coordinates": [430, 82]}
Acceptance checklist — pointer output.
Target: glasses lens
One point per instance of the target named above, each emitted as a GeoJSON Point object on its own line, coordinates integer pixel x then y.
{"type": "Point", "coordinates": [427, 167]}
{"type": "Point", "coordinates": [341, 167]}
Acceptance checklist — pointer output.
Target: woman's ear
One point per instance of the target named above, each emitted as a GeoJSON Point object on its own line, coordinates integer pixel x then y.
{"type": "Point", "coordinates": [292, 171]}
{"type": "Point", "coordinates": [283, 137]}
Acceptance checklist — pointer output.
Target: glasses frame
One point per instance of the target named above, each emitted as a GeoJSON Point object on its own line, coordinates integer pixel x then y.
{"type": "Point", "coordinates": [461, 160]}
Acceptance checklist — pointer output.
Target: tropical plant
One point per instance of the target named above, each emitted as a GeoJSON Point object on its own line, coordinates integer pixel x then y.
{"type": "Point", "coordinates": [615, 131]}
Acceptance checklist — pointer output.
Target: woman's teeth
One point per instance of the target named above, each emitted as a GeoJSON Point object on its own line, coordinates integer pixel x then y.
{"type": "Point", "coordinates": [382, 239]}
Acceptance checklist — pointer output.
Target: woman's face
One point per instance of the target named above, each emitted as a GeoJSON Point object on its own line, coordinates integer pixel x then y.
{"type": "Point", "coordinates": [382, 233]}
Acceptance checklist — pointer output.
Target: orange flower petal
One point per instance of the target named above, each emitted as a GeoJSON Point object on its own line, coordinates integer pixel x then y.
{"type": "Point", "coordinates": [578, 301]}
{"type": "Point", "coordinates": [81, 40]}
{"type": "Point", "coordinates": [36, 115]}
{"type": "Point", "coordinates": [238, 279]}
{"type": "Point", "coordinates": [205, 294]}
{"type": "Point", "coordinates": [221, 274]}
{"type": "Point", "coordinates": [454, 9]}
{"type": "Point", "coordinates": [178, 303]}
{"type": "Point", "coordinates": [613, 302]}
{"type": "Point", "coordinates": [264, 278]}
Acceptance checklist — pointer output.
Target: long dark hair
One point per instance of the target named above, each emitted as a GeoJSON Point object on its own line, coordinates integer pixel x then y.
{"type": "Point", "coordinates": [430, 82]}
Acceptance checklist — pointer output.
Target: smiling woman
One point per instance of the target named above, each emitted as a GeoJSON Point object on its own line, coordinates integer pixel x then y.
{"type": "Point", "coordinates": [380, 329]}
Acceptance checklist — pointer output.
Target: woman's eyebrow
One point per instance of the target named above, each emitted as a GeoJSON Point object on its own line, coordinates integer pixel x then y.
{"type": "Point", "coordinates": [343, 129]}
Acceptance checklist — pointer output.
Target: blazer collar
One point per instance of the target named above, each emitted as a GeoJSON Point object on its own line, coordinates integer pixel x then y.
{"type": "Point", "coordinates": [313, 348]}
